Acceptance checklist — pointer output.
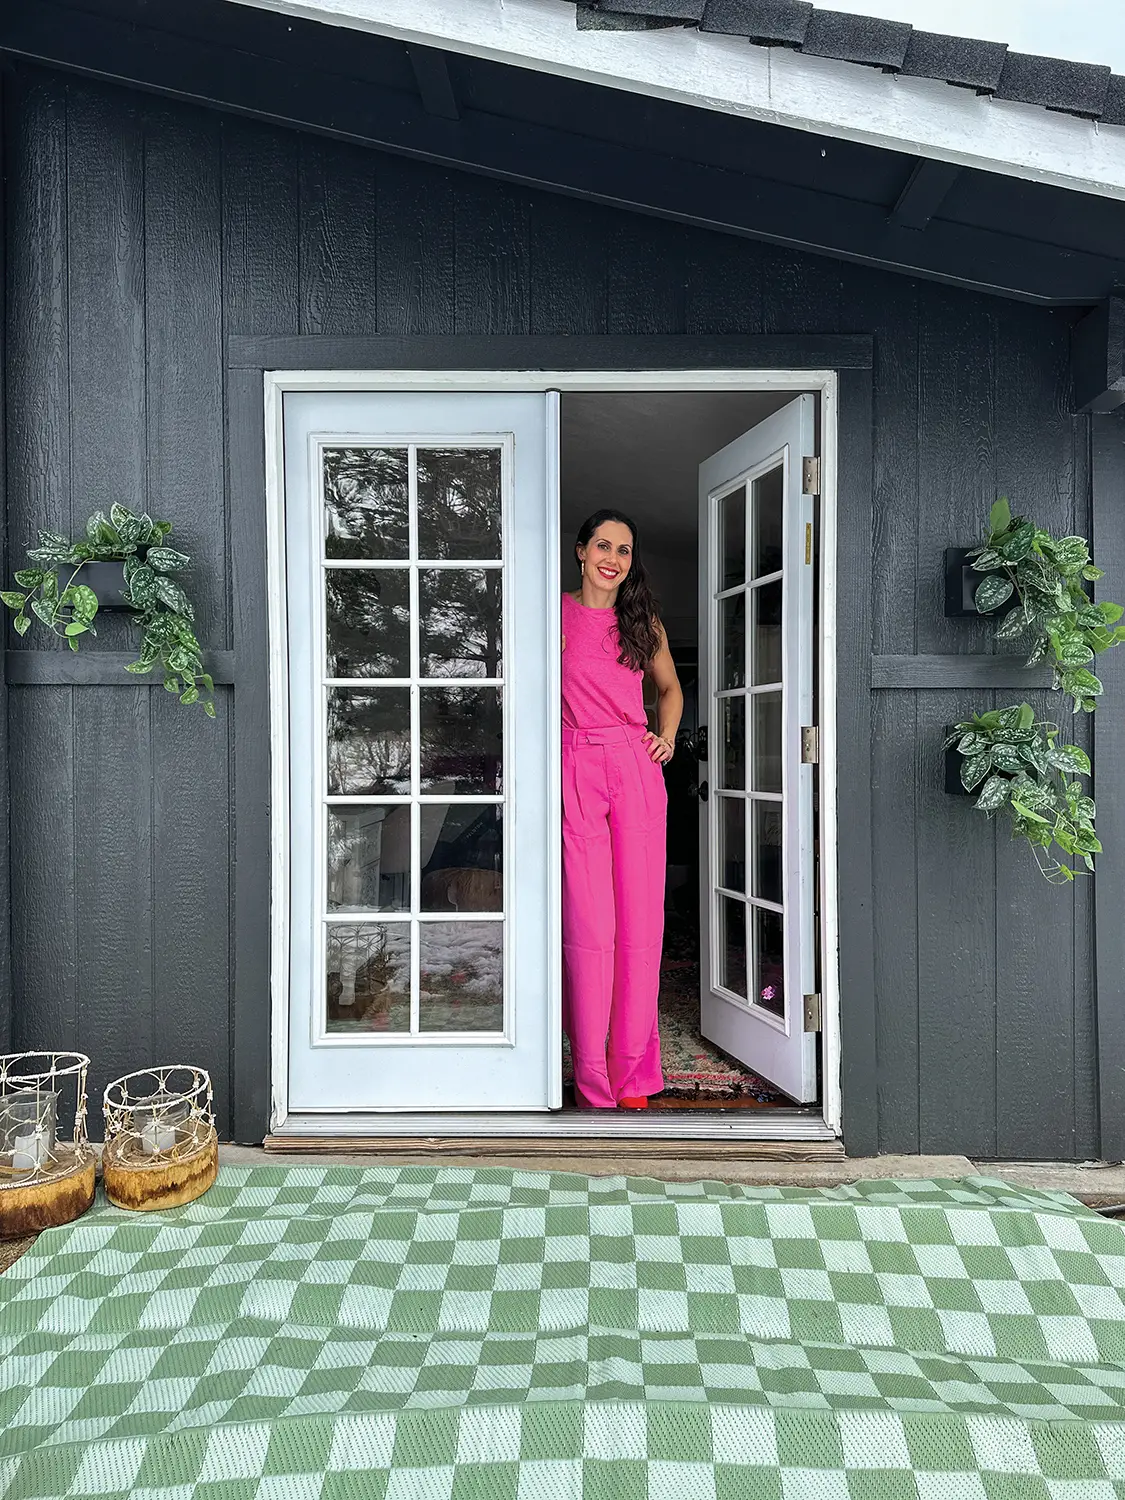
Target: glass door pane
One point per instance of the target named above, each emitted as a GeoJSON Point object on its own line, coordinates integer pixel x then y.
{"type": "Point", "coordinates": [767, 716]}
{"type": "Point", "coordinates": [413, 794]}
{"type": "Point", "coordinates": [747, 816]}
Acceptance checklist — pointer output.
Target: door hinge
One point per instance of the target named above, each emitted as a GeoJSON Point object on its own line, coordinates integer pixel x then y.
{"type": "Point", "coordinates": [810, 476]}
{"type": "Point", "coordinates": [810, 745]}
{"type": "Point", "coordinates": [812, 1012]}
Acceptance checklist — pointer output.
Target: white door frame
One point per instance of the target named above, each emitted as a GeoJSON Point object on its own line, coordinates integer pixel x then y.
{"type": "Point", "coordinates": [760, 1124]}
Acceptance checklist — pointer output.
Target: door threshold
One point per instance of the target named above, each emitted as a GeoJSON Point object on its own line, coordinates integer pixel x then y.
{"type": "Point", "coordinates": [386, 1132]}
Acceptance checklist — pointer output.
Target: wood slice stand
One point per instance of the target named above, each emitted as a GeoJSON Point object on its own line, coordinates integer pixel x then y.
{"type": "Point", "coordinates": [168, 1181]}
{"type": "Point", "coordinates": [47, 1202]}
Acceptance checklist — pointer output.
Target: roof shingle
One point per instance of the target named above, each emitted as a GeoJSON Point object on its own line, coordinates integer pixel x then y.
{"type": "Point", "coordinates": [664, 10]}
{"type": "Point", "coordinates": [1076, 88]}
{"type": "Point", "coordinates": [960, 60]}
{"type": "Point", "coordinates": [770, 23]}
{"type": "Point", "coordinates": [862, 39]}
{"type": "Point", "coordinates": [1085, 89]}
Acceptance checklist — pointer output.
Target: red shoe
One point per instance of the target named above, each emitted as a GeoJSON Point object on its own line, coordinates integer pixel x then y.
{"type": "Point", "coordinates": [641, 1103]}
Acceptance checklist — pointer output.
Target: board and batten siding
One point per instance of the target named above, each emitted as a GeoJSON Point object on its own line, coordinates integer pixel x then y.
{"type": "Point", "coordinates": [141, 235]}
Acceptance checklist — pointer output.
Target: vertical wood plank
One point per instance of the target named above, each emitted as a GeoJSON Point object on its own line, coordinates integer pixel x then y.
{"type": "Point", "coordinates": [568, 266]}
{"type": "Point", "coordinates": [957, 468]}
{"type": "Point", "coordinates": [854, 793]}
{"type": "Point", "coordinates": [339, 275]}
{"type": "Point", "coordinates": [492, 289]}
{"type": "Point", "coordinates": [415, 260]}
{"type": "Point", "coordinates": [725, 284]}
{"type": "Point", "coordinates": [44, 927]}
{"type": "Point", "coordinates": [190, 772]}
{"type": "Point", "coordinates": [1036, 1001]}
{"type": "Point", "coordinates": [956, 949]}
{"type": "Point", "coordinates": [119, 1023]}
{"type": "Point", "coordinates": [5, 573]}
{"type": "Point", "coordinates": [647, 275]}
{"type": "Point", "coordinates": [801, 292]}
{"type": "Point", "coordinates": [1109, 769]}
{"type": "Point", "coordinates": [1085, 1078]}
{"type": "Point", "coordinates": [260, 219]}
{"type": "Point", "coordinates": [896, 767]}
{"type": "Point", "coordinates": [956, 859]}
{"type": "Point", "coordinates": [261, 294]}
{"type": "Point", "coordinates": [251, 1015]}
{"type": "Point", "coordinates": [112, 746]}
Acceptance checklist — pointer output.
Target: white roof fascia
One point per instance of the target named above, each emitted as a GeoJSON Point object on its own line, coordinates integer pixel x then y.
{"type": "Point", "coordinates": [919, 116]}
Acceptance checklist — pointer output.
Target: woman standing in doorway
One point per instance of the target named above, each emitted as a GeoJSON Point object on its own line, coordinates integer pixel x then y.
{"type": "Point", "coordinates": [614, 817]}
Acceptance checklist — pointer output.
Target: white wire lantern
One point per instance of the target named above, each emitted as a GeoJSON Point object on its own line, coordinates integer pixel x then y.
{"type": "Point", "coordinates": [161, 1147]}
{"type": "Point", "coordinates": [47, 1166]}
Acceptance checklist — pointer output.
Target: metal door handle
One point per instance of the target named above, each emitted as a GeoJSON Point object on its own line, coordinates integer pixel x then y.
{"type": "Point", "coordinates": [704, 791]}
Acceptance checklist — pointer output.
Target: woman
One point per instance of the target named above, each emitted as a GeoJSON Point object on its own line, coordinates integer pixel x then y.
{"type": "Point", "coordinates": [614, 815]}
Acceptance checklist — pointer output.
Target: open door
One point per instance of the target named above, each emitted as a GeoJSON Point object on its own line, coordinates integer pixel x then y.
{"type": "Point", "coordinates": [756, 676]}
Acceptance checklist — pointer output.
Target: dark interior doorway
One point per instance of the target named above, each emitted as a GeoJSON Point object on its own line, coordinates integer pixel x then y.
{"type": "Point", "coordinates": [640, 452]}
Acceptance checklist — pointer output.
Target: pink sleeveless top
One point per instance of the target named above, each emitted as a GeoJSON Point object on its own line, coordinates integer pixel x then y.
{"type": "Point", "coordinates": [597, 691]}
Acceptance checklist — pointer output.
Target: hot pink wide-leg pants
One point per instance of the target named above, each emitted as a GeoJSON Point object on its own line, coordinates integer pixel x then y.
{"type": "Point", "coordinates": [614, 854]}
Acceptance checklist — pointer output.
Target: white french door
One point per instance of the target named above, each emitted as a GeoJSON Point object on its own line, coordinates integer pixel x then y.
{"type": "Point", "coordinates": [420, 721]}
{"type": "Point", "coordinates": [756, 690]}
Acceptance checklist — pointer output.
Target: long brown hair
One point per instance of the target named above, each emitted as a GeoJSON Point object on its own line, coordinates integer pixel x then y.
{"type": "Point", "coordinates": [636, 607]}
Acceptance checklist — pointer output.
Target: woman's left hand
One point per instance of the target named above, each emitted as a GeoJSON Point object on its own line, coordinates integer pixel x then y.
{"type": "Point", "coordinates": [661, 751]}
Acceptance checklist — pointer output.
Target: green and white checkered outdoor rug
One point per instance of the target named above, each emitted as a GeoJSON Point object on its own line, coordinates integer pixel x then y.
{"type": "Point", "coordinates": [425, 1334]}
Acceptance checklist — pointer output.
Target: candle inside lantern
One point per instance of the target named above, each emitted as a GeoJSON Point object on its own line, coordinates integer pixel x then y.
{"type": "Point", "coordinates": [30, 1151]}
{"type": "Point", "coordinates": [157, 1120]}
{"type": "Point", "coordinates": [28, 1120]}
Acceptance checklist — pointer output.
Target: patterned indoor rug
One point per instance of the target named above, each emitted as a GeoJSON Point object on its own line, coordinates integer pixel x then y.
{"type": "Point", "coordinates": [423, 1333]}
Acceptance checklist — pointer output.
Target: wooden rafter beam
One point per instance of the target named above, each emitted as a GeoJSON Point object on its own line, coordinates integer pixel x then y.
{"type": "Point", "coordinates": [435, 86]}
{"type": "Point", "coordinates": [1097, 356]}
{"type": "Point", "coordinates": [925, 191]}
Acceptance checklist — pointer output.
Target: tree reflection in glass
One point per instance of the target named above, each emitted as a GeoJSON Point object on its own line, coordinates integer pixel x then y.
{"type": "Point", "coordinates": [462, 740]}
{"type": "Point", "coordinates": [366, 503]}
{"type": "Point", "coordinates": [460, 622]}
{"type": "Point", "coordinates": [459, 504]}
{"type": "Point", "coordinates": [368, 742]}
{"type": "Point", "coordinates": [368, 622]}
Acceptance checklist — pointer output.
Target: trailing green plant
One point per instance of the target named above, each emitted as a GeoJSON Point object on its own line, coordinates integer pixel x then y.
{"type": "Point", "coordinates": [161, 610]}
{"type": "Point", "coordinates": [1023, 772]}
{"type": "Point", "coordinates": [1046, 576]}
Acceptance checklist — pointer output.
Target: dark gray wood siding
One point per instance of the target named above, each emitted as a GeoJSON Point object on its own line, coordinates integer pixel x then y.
{"type": "Point", "coordinates": [141, 235]}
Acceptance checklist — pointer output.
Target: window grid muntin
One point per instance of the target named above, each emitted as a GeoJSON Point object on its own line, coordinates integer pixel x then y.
{"type": "Point", "coordinates": [416, 799]}
{"type": "Point", "coordinates": [748, 795]}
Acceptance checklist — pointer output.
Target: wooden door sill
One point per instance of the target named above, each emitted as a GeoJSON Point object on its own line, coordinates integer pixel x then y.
{"type": "Point", "coordinates": [546, 1148]}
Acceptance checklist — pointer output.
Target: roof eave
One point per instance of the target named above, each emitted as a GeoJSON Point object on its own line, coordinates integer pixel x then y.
{"type": "Point", "coordinates": [731, 75]}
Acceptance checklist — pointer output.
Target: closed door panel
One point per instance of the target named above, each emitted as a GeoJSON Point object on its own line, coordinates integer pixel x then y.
{"type": "Point", "coordinates": [416, 535]}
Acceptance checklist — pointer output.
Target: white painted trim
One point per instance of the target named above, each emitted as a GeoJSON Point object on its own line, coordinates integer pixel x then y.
{"type": "Point", "coordinates": [828, 515]}
{"type": "Point", "coordinates": [761, 1125]}
{"type": "Point", "coordinates": [920, 116]}
{"type": "Point", "coordinates": [277, 625]}
{"type": "Point", "coordinates": [553, 588]}
{"type": "Point", "coordinates": [825, 383]}
{"type": "Point", "coordinates": [550, 380]}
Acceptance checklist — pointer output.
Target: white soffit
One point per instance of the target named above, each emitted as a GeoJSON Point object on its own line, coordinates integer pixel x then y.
{"type": "Point", "coordinates": [923, 117]}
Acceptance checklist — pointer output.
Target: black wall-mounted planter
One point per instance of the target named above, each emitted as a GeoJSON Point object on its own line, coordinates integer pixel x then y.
{"type": "Point", "coordinates": [107, 579]}
{"type": "Point", "coordinates": [961, 580]}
